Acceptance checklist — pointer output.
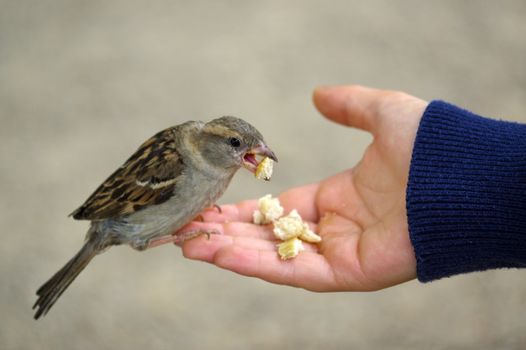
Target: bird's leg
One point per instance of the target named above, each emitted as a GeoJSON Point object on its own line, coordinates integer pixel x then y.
{"type": "Point", "coordinates": [181, 236]}
{"type": "Point", "coordinates": [184, 236]}
{"type": "Point", "coordinates": [157, 241]}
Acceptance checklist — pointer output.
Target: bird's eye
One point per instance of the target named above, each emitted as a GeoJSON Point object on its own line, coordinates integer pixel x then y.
{"type": "Point", "coordinates": [234, 142]}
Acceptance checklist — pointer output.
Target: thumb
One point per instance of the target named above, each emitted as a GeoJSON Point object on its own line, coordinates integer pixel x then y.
{"type": "Point", "coordinates": [350, 105]}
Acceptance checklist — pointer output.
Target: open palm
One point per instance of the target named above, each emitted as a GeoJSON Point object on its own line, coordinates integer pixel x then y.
{"type": "Point", "coordinates": [360, 213]}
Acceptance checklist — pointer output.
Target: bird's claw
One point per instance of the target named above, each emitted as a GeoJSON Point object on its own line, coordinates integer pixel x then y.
{"type": "Point", "coordinates": [218, 208]}
{"type": "Point", "coordinates": [200, 217]}
{"type": "Point", "coordinates": [184, 236]}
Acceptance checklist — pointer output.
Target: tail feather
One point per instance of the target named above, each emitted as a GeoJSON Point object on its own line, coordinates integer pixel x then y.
{"type": "Point", "coordinates": [56, 285]}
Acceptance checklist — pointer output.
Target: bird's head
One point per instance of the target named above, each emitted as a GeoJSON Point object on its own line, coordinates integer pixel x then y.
{"type": "Point", "coordinates": [231, 143]}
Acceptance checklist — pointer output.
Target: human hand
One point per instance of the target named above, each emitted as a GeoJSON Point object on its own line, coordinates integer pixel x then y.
{"type": "Point", "coordinates": [360, 213]}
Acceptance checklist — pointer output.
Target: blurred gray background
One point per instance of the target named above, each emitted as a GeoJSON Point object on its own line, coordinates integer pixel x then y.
{"type": "Point", "coordinates": [83, 83]}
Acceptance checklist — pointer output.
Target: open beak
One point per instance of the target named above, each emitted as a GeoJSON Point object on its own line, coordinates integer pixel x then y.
{"type": "Point", "coordinates": [253, 157]}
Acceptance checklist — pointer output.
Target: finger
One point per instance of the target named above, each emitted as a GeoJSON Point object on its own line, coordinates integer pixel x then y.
{"type": "Point", "coordinates": [255, 231]}
{"type": "Point", "coordinates": [352, 105]}
{"type": "Point", "coordinates": [308, 270]}
{"type": "Point", "coordinates": [205, 249]}
{"type": "Point", "coordinates": [236, 228]}
{"type": "Point", "coordinates": [231, 228]}
{"type": "Point", "coordinates": [302, 198]}
{"type": "Point", "coordinates": [249, 230]}
{"type": "Point", "coordinates": [241, 211]}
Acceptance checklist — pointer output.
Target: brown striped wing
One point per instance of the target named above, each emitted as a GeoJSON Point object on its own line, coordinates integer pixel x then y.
{"type": "Point", "coordinates": [147, 178]}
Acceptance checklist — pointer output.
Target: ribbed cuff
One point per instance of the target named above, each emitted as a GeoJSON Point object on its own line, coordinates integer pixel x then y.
{"type": "Point", "coordinates": [466, 195]}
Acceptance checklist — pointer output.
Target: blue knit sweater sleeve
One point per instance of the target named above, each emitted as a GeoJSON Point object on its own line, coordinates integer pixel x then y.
{"type": "Point", "coordinates": [466, 195]}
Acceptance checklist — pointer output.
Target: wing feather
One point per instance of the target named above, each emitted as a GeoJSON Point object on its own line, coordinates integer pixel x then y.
{"type": "Point", "coordinates": [147, 178]}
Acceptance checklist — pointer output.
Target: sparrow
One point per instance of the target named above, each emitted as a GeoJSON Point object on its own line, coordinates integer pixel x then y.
{"type": "Point", "coordinates": [165, 184]}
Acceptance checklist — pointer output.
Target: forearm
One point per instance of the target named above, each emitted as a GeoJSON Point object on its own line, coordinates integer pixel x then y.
{"type": "Point", "coordinates": [466, 195]}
